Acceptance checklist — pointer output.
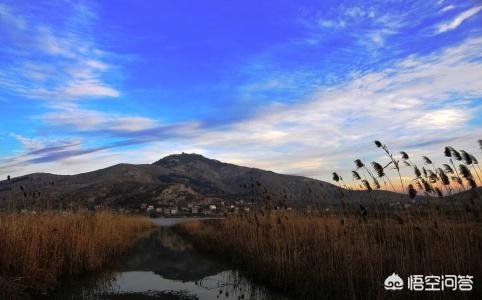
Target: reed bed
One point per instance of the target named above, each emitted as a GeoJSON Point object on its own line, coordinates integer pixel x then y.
{"type": "Point", "coordinates": [345, 252]}
{"type": "Point", "coordinates": [332, 256]}
{"type": "Point", "coordinates": [36, 251]}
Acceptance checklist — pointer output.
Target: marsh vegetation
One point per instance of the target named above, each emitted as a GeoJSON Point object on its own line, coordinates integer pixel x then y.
{"type": "Point", "coordinates": [37, 251]}
{"type": "Point", "coordinates": [348, 251]}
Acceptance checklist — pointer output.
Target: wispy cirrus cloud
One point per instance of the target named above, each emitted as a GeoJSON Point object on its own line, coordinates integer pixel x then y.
{"type": "Point", "coordinates": [435, 95]}
{"type": "Point", "coordinates": [58, 64]}
{"type": "Point", "coordinates": [458, 20]}
{"type": "Point", "coordinates": [27, 143]}
{"type": "Point", "coordinates": [419, 104]}
{"type": "Point", "coordinates": [311, 102]}
{"type": "Point", "coordinates": [447, 8]}
{"type": "Point", "coordinates": [72, 117]}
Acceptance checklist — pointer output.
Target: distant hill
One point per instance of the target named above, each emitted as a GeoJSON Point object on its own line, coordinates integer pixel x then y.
{"type": "Point", "coordinates": [196, 176]}
{"type": "Point", "coordinates": [178, 177]}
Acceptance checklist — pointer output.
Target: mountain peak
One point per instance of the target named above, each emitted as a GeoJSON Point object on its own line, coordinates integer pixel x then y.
{"type": "Point", "coordinates": [185, 158]}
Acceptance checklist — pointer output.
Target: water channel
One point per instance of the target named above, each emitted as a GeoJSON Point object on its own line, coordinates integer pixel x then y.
{"type": "Point", "coordinates": [164, 265]}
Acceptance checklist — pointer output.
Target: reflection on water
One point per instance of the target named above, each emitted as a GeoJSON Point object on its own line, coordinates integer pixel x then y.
{"type": "Point", "coordinates": [163, 265]}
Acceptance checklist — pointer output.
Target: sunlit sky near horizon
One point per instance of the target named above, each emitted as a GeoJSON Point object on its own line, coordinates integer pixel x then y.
{"type": "Point", "coordinates": [297, 87]}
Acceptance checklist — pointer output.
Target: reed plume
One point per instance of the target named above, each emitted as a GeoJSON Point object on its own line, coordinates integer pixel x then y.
{"type": "Point", "coordinates": [444, 179]}
{"type": "Point", "coordinates": [381, 173]}
{"type": "Point", "coordinates": [432, 177]}
{"type": "Point", "coordinates": [448, 169]}
{"type": "Point", "coordinates": [447, 152]}
{"type": "Point", "coordinates": [426, 186]}
{"type": "Point", "coordinates": [467, 175]}
{"type": "Point", "coordinates": [406, 159]}
{"type": "Point", "coordinates": [427, 160]}
{"type": "Point", "coordinates": [465, 171]}
{"type": "Point", "coordinates": [466, 157]}
{"type": "Point", "coordinates": [417, 172]}
{"type": "Point", "coordinates": [475, 163]}
{"type": "Point", "coordinates": [392, 160]}
{"type": "Point", "coordinates": [455, 154]}
{"type": "Point", "coordinates": [359, 164]}
{"type": "Point", "coordinates": [378, 168]}
{"type": "Point", "coordinates": [367, 185]}
{"type": "Point", "coordinates": [470, 160]}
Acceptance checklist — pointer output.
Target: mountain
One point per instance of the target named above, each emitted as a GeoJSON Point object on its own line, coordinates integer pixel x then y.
{"type": "Point", "coordinates": [178, 177]}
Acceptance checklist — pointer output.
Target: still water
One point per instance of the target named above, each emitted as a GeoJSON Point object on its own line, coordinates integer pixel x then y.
{"type": "Point", "coordinates": [164, 265]}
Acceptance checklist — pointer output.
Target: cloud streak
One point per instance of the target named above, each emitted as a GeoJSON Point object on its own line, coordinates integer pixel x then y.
{"type": "Point", "coordinates": [458, 20]}
{"type": "Point", "coordinates": [60, 64]}
{"type": "Point", "coordinates": [353, 83]}
{"type": "Point", "coordinates": [402, 105]}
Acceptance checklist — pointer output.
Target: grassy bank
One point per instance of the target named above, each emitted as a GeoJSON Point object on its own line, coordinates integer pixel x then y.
{"type": "Point", "coordinates": [346, 256]}
{"type": "Point", "coordinates": [36, 251]}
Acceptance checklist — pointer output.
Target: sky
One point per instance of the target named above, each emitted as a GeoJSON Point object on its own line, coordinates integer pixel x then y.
{"type": "Point", "coordinates": [296, 87]}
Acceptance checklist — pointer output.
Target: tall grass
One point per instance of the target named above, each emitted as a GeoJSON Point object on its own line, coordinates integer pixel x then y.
{"type": "Point", "coordinates": [328, 256]}
{"type": "Point", "coordinates": [36, 251]}
{"type": "Point", "coordinates": [348, 252]}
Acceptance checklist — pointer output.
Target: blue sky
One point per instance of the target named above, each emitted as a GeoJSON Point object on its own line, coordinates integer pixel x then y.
{"type": "Point", "coordinates": [300, 87]}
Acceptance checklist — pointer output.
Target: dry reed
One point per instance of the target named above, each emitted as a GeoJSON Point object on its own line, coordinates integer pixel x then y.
{"type": "Point", "coordinates": [343, 256]}
{"type": "Point", "coordinates": [36, 251]}
{"type": "Point", "coordinates": [348, 253]}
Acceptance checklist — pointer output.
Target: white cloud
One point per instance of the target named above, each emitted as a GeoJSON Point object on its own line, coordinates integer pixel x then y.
{"type": "Point", "coordinates": [444, 119]}
{"type": "Point", "coordinates": [447, 8]}
{"type": "Point", "coordinates": [458, 20]}
{"type": "Point", "coordinates": [419, 99]}
{"type": "Point", "coordinates": [11, 20]}
{"type": "Point", "coordinates": [71, 165]}
{"type": "Point", "coordinates": [71, 117]}
{"type": "Point", "coordinates": [27, 143]}
{"type": "Point", "coordinates": [377, 38]}
{"type": "Point", "coordinates": [356, 12]}
{"type": "Point", "coordinates": [61, 64]}
{"type": "Point", "coordinates": [88, 88]}
{"type": "Point", "coordinates": [327, 23]}
{"type": "Point", "coordinates": [419, 105]}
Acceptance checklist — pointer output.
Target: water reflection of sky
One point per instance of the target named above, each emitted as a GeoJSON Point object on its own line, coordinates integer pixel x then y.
{"type": "Point", "coordinates": [163, 261]}
{"type": "Point", "coordinates": [225, 285]}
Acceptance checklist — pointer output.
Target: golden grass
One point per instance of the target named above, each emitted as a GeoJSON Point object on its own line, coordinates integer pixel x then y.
{"type": "Point", "coordinates": [345, 257]}
{"type": "Point", "coordinates": [36, 251]}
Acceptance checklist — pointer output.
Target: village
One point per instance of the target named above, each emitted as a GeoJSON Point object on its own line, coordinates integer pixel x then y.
{"type": "Point", "coordinates": [179, 200]}
{"type": "Point", "coordinates": [207, 207]}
